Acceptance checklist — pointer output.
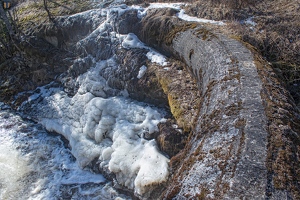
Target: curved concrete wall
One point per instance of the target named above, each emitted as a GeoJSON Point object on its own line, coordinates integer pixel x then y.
{"type": "Point", "coordinates": [230, 132]}
{"type": "Point", "coordinates": [232, 151]}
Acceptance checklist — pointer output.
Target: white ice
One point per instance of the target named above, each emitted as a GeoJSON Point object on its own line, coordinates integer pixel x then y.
{"type": "Point", "coordinates": [156, 57]}
{"type": "Point", "coordinates": [112, 130]}
{"type": "Point", "coordinates": [131, 41]}
{"type": "Point", "coordinates": [109, 129]}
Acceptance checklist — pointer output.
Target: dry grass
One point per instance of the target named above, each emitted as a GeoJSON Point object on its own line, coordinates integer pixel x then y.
{"type": "Point", "coordinates": [33, 13]}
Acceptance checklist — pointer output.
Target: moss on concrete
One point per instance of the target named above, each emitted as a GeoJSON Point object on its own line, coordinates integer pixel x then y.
{"type": "Point", "coordinates": [183, 94]}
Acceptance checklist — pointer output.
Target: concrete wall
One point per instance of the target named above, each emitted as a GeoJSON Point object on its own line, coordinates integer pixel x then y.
{"type": "Point", "coordinates": [238, 147]}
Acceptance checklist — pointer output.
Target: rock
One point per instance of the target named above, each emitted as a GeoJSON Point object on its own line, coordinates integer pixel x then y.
{"type": "Point", "coordinates": [171, 139]}
{"type": "Point", "coordinates": [127, 22]}
{"type": "Point", "coordinates": [148, 88]}
{"type": "Point", "coordinates": [80, 66]}
{"type": "Point", "coordinates": [67, 30]}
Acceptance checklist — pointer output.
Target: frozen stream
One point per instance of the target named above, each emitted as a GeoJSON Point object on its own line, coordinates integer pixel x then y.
{"type": "Point", "coordinates": [37, 165]}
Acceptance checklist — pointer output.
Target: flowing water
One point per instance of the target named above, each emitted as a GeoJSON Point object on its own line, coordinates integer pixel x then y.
{"type": "Point", "coordinates": [36, 164]}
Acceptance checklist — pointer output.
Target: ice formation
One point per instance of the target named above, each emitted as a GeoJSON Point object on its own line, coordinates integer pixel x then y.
{"type": "Point", "coordinates": [108, 129]}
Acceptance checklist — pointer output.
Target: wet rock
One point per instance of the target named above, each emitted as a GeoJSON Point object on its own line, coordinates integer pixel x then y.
{"type": "Point", "coordinates": [147, 88]}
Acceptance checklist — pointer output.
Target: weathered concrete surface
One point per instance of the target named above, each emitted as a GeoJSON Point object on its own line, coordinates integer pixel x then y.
{"type": "Point", "coordinates": [245, 143]}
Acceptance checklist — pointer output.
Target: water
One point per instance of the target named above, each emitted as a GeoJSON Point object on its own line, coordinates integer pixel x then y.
{"type": "Point", "coordinates": [38, 165]}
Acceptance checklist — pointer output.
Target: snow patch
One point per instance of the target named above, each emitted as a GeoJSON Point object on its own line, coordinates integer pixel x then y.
{"type": "Point", "coordinates": [186, 17]}
{"type": "Point", "coordinates": [156, 57]}
{"type": "Point", "coordinates": [177, 6]}
{"type": "Point", "coordinates": [142, 71]}
{"type": "Point", "coordinates": [250, 21]}
{"type": "Point", "coordinates": [132, 41]}
{"type": "Point", "coordinates": [143, 12]}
